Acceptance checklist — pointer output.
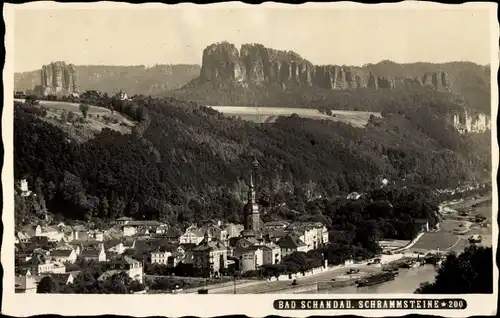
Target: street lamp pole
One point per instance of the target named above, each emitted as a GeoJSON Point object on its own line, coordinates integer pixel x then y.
{"type": "Point", "coordinates": [234, 284]}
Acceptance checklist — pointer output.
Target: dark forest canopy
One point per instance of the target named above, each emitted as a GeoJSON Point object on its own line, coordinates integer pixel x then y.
{"type": "Point", "coordinates": [185, 162]}
{"type": "Point", "coordinates": [470, 272]}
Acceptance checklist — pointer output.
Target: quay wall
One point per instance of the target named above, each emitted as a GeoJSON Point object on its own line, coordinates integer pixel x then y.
{"type": "Point", "coordinates": [294, 289]}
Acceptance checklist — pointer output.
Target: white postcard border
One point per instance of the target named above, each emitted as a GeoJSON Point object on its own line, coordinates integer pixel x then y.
{"type": "Point", "coordinates": [211, 305]}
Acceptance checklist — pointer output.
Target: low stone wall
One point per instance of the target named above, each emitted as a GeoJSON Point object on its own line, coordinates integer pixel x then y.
{"type": "Point", "coordinates": [336, 284]}
{"type": "Point", "coordinates": [307, 274]}
{"type": "Point", "coordinates": [294, 289]}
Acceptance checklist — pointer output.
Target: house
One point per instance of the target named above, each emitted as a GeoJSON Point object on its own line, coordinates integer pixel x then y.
{"type": "Point", "coordinates": [313, 234]}
{"type": "Point", "coordinates": [122, 96]}
{"type": "Point", "coordinates": [26, 233]}
{"type": "Point", "coordinates": [25, 284]}
{"type": "Point", "coordinates": [162, 229]}
{"type": "Point", "coordinates": [94, 254]}
{"type": "Point", "coordinates": [422, 224]}
{"type": "Point", "coordinates": [233, 230]}
{"type": "Point", "coordinates": [114, 247]}
{"type": "Point", "coordinates": [22, 237]}
{"type": "Point", "coordinates": [129, 244]}
{"type": "Point", "coordinates": [184, 253]}
{"type": "Point", "coordinates": [40, 264]}
{"type": "Point", "coordinates": [290, 244]}
{"type": "Point", "coordinates": [249, 257]}
{"type": "Point", "coordinates": [123, 220]}
{"type": "Point", "coordinates": [96, 236]}
{"type": "Point", "coordinates": [63, 255]}
{"type": "Point", "coordinates": [23, 185]}
{"type": "Point", "coordinates": [133, 227]}
{"type": "Point", "coordinates": [77, 247]}
{"type": "Point", "coordinates": [216, 233]}
{"type": "Point", "coordinates": [80, 233]}
{"type": "Point", "coordinates": [192, 236]}
{"type": "Point", "coordinates": [271, 253]}
{"type": "Point", "coordinates": [162, 254]}
{"type": "Point", "coordinates": [50, 232]}
{"type": "Point", "coordinates": [132, 267]}
{"type": "Point", "coordinates": [172, 234]}
{"type": "Point", "coordinates": [210, 256]}
{"type": "Point", "coordinates": [277, 235]}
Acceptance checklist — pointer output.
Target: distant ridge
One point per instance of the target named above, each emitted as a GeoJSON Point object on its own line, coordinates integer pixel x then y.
{"type": "Point", "coordinates": [137, 79]}
{"type": "Point", "coordinates": [229, 76]}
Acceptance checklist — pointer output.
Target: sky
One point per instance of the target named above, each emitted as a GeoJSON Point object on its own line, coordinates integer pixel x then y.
{"type": "Point", "coordinates": [178, 36]}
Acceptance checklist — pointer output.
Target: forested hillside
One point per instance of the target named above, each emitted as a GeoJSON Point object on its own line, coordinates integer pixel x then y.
{"type": "Point", "coordinates": [185, 162]}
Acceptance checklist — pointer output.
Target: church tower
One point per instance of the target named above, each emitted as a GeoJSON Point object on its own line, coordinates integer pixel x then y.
{"type": "Point", "coordinates": [251, 211]}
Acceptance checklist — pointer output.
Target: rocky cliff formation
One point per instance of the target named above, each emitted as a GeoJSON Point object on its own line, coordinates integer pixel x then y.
{"type": "Point", "coordinates": [438, 80]}
{"type": "Point", "coordinates": [59, 78]}
{"type": "Point", "coordinates": [254, 63]}
{"type": "Point", "coordinates": [467, 122]}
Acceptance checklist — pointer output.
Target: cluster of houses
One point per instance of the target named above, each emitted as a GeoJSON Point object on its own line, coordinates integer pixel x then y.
{"type": "Point", "coordinates": [48, 250]}
{"type": "Point", "coordinates": [210, 248]}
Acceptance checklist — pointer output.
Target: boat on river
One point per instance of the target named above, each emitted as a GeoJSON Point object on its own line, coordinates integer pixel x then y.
{"type": "Point", "coordinates": [376, 279]}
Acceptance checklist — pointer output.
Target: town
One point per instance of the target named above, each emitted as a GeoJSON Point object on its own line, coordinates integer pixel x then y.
{"type": "Point", "coordinates": [210, 250]}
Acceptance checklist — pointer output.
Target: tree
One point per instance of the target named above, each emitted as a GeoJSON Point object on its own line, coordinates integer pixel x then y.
{"type": "Point", "coordinates": [471, 272]}
{"type": "Point", "coordinates": [47, 285]}
{"type": "Point", "coordinates": [31, 100]}
{"type": "Point", "coordinates": [84, 108]}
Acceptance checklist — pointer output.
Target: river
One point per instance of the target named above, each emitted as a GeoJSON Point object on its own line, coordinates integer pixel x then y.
{"type": "Point", "coordinates": [407, 281]}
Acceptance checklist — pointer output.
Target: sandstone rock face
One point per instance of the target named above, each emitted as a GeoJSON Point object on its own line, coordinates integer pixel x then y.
{"type": "Point", "coordinates": [471, 123]}
{"type": "Point", "coordinates": [439, 80]}
{"type": "Point", "coordinates": [259, 65]}
{"type": "Point", "coordinates": [381, 82]}
{"type": "Point", "coordinates": [59, 78]}
{"type": "Point", "coordinates": [410, 82]}
{"type": "Point", "coordinates": [221, 62]}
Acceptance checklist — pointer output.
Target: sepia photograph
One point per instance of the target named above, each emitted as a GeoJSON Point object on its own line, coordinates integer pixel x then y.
{"type": "Point", "coordinates": [317, 156]}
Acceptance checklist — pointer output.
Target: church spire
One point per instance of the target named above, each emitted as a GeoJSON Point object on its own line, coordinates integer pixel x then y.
{"type": "Point", "coordinates": [251, 191]}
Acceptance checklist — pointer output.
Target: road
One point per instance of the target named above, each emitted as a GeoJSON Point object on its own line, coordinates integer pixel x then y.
{"type": "Point", "coordinates": [264, 286]}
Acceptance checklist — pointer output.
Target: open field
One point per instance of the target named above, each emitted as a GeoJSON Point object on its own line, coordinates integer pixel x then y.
{"type": "Point", "coordinates": [97, 119]}
{"type": "Point", "coordinates": [433, 241]}
{"type": "Point", "coordinates": [270, 114]}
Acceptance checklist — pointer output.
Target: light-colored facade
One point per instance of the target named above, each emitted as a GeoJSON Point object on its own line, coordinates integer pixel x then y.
{"type": "Point", "coordinates": [192, 236]}
{"type": "Point", "coordinates": [132, 267]}
{"type": "Point", "coordinates": [63, 255]}
{"type": "Point", "coordinates": [96, 236]}
{"type": "Point", "coordinates": [117, 248]}
{"type": "Point", "coordinates": [25, 284]}
{"type": "Point", "coordinates": [233, 230]}
{"type": "Point", "coordinates": [49, 267]}
{"type": "Point", "coordinates": [160, 257]}
{"type": "Point", "coordinates": [271, 254]}
{"type": "Point", "coordinates": [52, 233]}
{"type": "Point", "coordinates": [210, 256]}
{"type": "Point", "coordinates": [250, 258]}
{"type": "Point", "coordinates": [94, 254]}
